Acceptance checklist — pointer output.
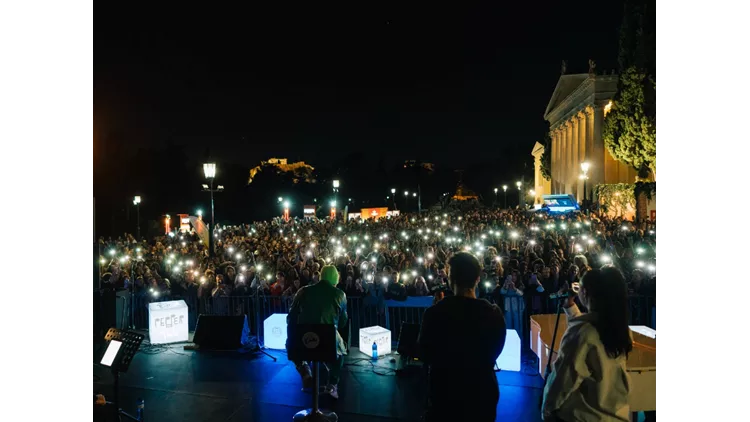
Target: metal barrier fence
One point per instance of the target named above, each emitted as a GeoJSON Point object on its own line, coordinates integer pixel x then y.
{"type": "Point", "coordinates": [362, 313]}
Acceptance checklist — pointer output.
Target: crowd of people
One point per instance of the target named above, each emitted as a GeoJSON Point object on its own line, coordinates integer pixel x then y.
{"type": "Point", "coordinates": [522, 254]}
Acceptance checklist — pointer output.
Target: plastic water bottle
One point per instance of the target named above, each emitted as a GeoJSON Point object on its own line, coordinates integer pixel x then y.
{"type": "Point", "coordinates": [140, 405]}
{"type": "Point", "coordinates": [374, 351]}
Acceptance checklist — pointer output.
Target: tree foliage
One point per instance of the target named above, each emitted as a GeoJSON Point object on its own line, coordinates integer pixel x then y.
{"type": "Point", "coordinates": [546, 159]}
{"type": "Point", "coordinates": [616, 197]}
{"type": "Point", "coordinates": [629, 133]}
{"type": "Point", "coordinates": [630, 127]}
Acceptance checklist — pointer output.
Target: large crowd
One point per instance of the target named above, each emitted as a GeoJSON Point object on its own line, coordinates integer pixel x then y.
{"type": "Point", "coordinates": [523, 254]}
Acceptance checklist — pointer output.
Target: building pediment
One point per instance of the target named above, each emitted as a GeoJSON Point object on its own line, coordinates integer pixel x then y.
{"type": "Point", "coordinates": [566, 85]}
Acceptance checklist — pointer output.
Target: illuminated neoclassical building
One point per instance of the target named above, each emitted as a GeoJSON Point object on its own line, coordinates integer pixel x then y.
{"type": "Point", "coordinates": [576, 114]}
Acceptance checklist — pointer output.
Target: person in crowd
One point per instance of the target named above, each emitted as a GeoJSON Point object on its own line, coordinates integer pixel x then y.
{"type": "Point", "coordinates": [299, 249]}
{"type": "Point", "coordinates": [460, 339]}
{"type": "Point", "coordinates": [279, 286]}
{"type": "Point", "coordinates": [589, 379]}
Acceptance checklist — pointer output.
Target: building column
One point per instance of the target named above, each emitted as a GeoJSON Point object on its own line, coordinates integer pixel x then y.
{"type": "Point", "coordinates": [574, 166]}
{"type": "Point", "coordinates": [558, 162]}
{"type": "Point", "coordinates": [597, 147]}
{"type": "Point", "coordinates": [569, 157]}
{"type": "Point", "coordinates": [564, 158]}
{"type": "Point", "coordinates": [553, 149]}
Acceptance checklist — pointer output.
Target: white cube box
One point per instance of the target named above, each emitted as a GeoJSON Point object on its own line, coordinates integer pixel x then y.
{"type": "Point", "coordinates": [510, 358]}
{"type": "Point", "coordinates": [377, 335]}
{"type": "Point", "coordinates": [167, 322]}
{"type": "Point", "coordinates": [274, 332]}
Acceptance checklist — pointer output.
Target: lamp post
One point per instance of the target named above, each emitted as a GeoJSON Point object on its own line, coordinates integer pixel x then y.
{"type": "Point", "coordinates": [406, 194]}
{"type": "Point", "coordinates": [585, 169]}
{"type": "Point", "coordinates": [520, 193]}
{"type": "Point", "coordinates": [505, 196]}
{"type": "Point", "coordinates": [209, 170]}
{"type": "Point", "coordinates": [495, 202]}
{"type": "Point", "coordinates": [336, 184]}
{"type": "Point", "coordinates": [393, 192]}
{"type": "Point", "coordinates": [137, 203]}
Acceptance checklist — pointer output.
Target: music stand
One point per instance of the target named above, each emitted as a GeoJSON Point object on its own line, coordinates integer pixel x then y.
{"type": "Point", "coordinates": [122, 346]}
{"type": "Point", "coordinates": [313, 343]}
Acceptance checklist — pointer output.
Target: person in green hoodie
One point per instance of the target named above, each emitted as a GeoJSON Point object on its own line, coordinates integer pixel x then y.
{"type": "Point", "coordinates": [322, 303]}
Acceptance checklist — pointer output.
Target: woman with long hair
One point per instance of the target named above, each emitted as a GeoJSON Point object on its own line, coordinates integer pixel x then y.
{"type": "Point", "coordinates": [589, 380]}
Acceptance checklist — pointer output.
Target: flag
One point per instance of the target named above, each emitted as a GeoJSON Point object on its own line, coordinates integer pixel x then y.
{"type": "Point", "coordinates": [200, 228]}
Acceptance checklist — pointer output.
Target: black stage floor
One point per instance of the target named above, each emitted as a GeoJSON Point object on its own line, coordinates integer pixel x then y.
{"type": "Point", "coordinates": [180, 385]}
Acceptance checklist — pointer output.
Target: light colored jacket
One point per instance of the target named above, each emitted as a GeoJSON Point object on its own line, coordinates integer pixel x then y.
{"type": "Point", "coordinates": [586, 384]}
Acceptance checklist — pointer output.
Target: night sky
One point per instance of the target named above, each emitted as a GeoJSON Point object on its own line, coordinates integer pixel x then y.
{"type": "Point", "coordinates": [455, 87]}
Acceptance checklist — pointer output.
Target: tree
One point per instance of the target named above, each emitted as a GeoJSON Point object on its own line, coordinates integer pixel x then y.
{"type": "Point", "coordinates": [547, 157]}
{"type": "Point", "coordinates": [629, 132]}
{"type": "Point", "coordinates": [630, 126]}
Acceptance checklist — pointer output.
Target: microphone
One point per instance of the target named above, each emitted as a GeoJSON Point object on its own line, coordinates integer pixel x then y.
{"type": "Point", "coordinates": [563, 295]}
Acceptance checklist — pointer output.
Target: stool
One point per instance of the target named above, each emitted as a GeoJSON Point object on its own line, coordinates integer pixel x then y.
{"type": "Point", "coordinates": [313, 343]}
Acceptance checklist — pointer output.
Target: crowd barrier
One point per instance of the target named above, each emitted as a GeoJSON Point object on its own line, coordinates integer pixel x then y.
{"type": "Point", "coordinates": [368, 311]}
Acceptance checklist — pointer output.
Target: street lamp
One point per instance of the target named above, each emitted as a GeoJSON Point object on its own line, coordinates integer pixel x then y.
{"type": "Point", "coordinates": [520, 194]}
{"type": "Point", "coordinates": [406, 194]}
{"type": "Point", "coordinates": [137, 203]}
{"type": "Point", "coordinates": [209, 170]}
{"type": "Point", "coordinates": [393, 192]}
{"type": "Point", "coordinates": [495, 203]}
{"type": "Point", "coordinates": [585, 169]}
{"type": "Point", "coordinates": [505, 196]}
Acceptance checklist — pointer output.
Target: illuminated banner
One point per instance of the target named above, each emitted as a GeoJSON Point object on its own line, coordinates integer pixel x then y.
{"type": "Point", "coordinates": [184, 222]}
{"type": "Point", "coordinates": [167, 322]}
{"type": "Point", "coordinates": [374, 213]}
{"type": "Point", "coordinates": [309, 210]}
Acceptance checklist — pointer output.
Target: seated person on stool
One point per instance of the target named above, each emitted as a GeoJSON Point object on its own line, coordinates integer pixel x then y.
{"type": "Point", "coordinates": [322, 303]}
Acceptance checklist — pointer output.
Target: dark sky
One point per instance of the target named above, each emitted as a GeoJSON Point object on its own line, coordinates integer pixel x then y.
{"type": "Point", "coordinates": [451, 86]}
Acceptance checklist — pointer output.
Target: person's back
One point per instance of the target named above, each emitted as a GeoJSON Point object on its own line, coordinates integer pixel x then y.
{"type": "Point", "coordinates": [322, 303]}
{"type": "Point", "coordinates": [460, 339]}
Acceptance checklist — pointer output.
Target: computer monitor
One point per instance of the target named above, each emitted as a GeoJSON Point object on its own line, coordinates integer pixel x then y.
{"type": "Point", "coordinates": [111, 353]}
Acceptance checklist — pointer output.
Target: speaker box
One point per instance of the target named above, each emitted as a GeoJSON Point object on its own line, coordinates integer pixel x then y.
{"type": "Point", "coordinates": [213, 332]}
{"type": "Point", "coordinates": [407, 340]}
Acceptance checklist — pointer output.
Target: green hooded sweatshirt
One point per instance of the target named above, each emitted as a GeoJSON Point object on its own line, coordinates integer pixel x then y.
{"type": "Point", "coordinates": [321, 303]}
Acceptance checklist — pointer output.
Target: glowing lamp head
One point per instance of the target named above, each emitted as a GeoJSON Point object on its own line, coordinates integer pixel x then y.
{"type": "Point", "coordinates": [136, 200]}
{"type": "Point", "coordinates": [286, 204]}
{"type": "Point", "coordinates": [209, 170]}
{"type": "Point", "coordinates": [585, 167]}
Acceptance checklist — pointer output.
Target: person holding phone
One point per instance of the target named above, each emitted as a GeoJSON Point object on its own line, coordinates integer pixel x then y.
{"type": "Point", "coordinates": [589, 381]}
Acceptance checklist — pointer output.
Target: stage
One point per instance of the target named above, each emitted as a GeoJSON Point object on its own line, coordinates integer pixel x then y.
{"type": "Point", "coordinates": [180, 385]}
